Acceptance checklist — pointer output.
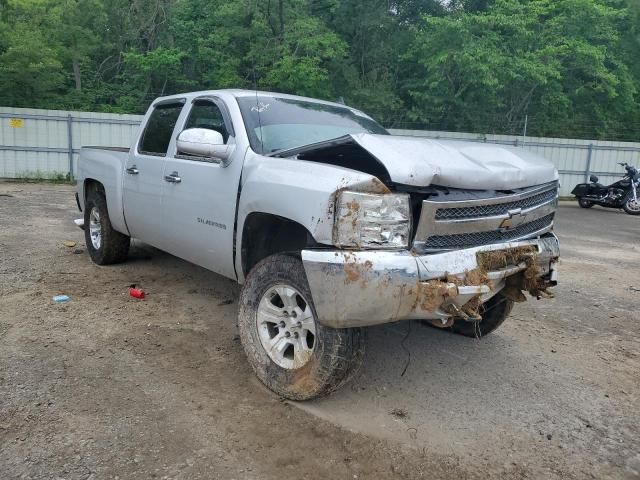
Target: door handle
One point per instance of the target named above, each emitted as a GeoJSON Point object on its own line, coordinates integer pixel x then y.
{"type": "Point", "coordinates": [133, 170]}
{"type": "Point", "coordinates": [173, 178]}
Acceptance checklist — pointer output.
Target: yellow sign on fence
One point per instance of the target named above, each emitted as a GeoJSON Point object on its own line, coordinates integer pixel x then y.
{"type": "Point", "coordinates": [16, 122]}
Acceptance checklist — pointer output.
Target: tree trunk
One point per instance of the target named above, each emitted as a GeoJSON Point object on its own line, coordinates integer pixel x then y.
{"type": "Point", "coordinates": [272, 25]}
{"type": "Point", "coordinates": [76, 75]}
{"type": "Point", "coordinates": [281, 15]}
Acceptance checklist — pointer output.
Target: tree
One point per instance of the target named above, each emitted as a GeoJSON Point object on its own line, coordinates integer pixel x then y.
{"type": "Point", "coordinates": [30, 64]}
{"type": "Point", "coordinates": [30, 68]}
{"type": "Point", "coordinates": [556, 60]}
{"type": "Point", "coordinates": [275, 45]}
{"type": "Point", "coordinates": [571, 66]}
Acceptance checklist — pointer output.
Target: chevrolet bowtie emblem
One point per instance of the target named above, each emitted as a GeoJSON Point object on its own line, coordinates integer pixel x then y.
{"type": "Point", "coordinates": [516, 218]}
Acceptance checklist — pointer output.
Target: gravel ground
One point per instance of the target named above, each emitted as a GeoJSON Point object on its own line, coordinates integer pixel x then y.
{"type": "Point", "coordinates": [107, 386]}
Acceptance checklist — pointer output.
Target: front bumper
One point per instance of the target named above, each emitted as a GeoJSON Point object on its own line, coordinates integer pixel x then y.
{"type": "Point", "coordinates": [363, 288]}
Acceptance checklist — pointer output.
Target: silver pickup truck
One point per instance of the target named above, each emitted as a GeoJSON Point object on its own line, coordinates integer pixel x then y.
{"type": "Point", "coordinates": [329, 223]}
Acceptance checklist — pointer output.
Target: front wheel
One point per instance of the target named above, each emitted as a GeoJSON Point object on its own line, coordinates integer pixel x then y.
{"type": "Point", "coordinates": [584, 203]}
{"type": "Point", "coordinates": [289, 350]}
{"type": "Point", "coordinates": [631, 206]}
{"type": "Point", "coordinates": [494, 312]}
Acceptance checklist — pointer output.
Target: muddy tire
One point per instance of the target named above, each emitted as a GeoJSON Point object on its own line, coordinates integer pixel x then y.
{"type": "Point", "coordinates": [104, 244]}
{"type": "Point", "coordinates": [290, 352]}
{"type": "Point", "coordinates": [494, 313]}
{"type": "Point", "coordinates": [584, 203]}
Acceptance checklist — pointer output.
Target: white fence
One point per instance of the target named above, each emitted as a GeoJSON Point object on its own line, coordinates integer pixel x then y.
{"type": "Point", "coordinates": [46, 143]}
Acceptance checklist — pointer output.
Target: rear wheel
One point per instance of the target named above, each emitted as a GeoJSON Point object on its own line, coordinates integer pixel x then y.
{"type": "Point", "coordinates": [631, 206]}
{"type": "Point", "coordinates": [585, 203]}
{"type": "Point", "coordinates": [104, 244]}
{"type": "Point", "coordinates": [494, 312]}
{"type": "Point", "coordinates": [290, 352]}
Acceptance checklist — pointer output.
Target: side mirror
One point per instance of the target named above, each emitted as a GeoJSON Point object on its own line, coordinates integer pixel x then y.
{"type": "Point", "coordinates": [202, 142]}
{"type": "Point", "coordinates": [593, 178]}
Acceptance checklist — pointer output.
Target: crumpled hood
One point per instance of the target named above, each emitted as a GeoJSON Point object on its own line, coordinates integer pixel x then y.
{"type": "Point", "coordinates": [420, 161]}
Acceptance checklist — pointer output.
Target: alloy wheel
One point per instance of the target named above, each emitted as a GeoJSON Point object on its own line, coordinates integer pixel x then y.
{"type": "Point", "coordinates": [95, 228]}
{"type": "Point", "coordinates": [286, 327]}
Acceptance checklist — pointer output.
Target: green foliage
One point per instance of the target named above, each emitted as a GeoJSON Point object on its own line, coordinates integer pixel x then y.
{"type": "Point", "coordinates": [571, 67]}
{"type": "Point", "coordinates": [40, 176]}
{"type": "Point", "coordinates": [555, 60]}
{"type": "Point", "coordinates": [305, 49]}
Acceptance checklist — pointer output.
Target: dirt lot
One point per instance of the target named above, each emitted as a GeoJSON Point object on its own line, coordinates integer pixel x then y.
{"type": "Point", "coordinates": [107, 386]}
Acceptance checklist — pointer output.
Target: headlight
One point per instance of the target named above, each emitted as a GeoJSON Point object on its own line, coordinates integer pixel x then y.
{"type": "Point", "coordinates": [366, 220]}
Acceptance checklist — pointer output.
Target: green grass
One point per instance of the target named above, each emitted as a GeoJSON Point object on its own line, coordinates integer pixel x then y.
{"type": "Point", "coordinates": [40, 176]}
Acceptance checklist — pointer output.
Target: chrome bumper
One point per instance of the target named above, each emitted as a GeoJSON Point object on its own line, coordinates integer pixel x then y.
{"type": "Point", "coordinates": [357, 289]}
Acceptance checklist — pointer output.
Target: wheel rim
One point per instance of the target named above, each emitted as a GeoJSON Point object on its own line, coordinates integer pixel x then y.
{"type": "Point", "coordinates": [95, 228]}
{"type": "Point", "coordinates": [633, 205]}
{"type": "Point", "coordinates": [286, 327]}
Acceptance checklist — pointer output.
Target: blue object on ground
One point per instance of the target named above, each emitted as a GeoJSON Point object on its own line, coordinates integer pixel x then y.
{"type": "Point", "coordinates": [61, 298]}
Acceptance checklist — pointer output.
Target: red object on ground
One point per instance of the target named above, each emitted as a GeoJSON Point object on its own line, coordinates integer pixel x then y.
{"type": "Point", "coordinates": [136, 292]}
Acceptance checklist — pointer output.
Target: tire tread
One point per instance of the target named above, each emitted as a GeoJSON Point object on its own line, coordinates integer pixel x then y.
{"type": "Point", "coordinates": [499, 309]}
{"type": "Point", "coordinates": [332, 365]}
{"type": "Point", "coordinates": [115, 245]}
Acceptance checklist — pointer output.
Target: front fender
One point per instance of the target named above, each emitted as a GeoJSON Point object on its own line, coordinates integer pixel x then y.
{"type": "Point", "coordinates": [301, 191]}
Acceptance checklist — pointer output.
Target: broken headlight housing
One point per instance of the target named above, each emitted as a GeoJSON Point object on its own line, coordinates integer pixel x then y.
{"type": "Point", "coordinates": [373, 221]}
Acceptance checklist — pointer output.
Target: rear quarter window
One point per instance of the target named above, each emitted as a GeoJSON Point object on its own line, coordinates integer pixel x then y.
{"type": "Point", "coordinates": [157, 133]}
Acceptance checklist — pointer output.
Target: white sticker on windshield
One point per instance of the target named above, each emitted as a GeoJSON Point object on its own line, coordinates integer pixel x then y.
{"type": "Point", "coordinates": [260, 107]}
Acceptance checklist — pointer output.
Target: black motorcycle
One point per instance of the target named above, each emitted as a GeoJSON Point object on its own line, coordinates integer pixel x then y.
{"type": "Point", "coordinates": [621, 194]}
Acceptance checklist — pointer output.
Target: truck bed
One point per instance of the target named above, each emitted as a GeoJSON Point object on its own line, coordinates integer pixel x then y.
{"type": "Point", "coordinates": [104, 165]}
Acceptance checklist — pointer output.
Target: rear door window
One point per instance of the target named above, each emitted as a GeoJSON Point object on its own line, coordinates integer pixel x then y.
{"type": "Point", "coordinates": [157, 134]}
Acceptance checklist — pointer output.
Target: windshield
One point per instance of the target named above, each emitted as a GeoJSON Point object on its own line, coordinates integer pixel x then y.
{"type": "Point", "coordinates": [276, 123]}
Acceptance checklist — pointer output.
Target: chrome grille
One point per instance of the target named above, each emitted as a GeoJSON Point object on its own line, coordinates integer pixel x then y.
{"type": "Point", "coordinates": [467, 240]}
{"type": "Point", "coordinates": [497, 209]}
{"type": "Point", "coordinates": [459, 223]}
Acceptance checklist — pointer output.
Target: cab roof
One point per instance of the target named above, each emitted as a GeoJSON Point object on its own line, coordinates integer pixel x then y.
{"type": "Point", "coordinates": [239, 93]}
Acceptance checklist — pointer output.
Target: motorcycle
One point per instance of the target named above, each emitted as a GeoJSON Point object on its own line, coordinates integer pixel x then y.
{"type": "Point", "coordinates": [621, 194]}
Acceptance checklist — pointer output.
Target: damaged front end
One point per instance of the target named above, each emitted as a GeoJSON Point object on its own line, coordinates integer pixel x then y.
{"type": "Point", "coordinates": [463, 252]}
{"type": "Point", "coordinates": [356, 289]}
{"type": "Point", "coordinates": [514, 272]}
